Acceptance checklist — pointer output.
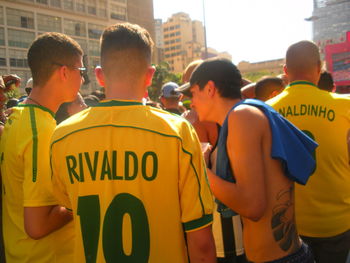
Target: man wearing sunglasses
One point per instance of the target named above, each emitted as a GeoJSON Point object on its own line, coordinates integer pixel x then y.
{"type": "Point", "coordinates": [34, 225]}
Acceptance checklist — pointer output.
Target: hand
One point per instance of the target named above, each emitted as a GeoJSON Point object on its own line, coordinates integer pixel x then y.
{"type": "Point", "coordinates": [191, 116]}
{"type": "Point", "coordinates": [206, 151]}
{"type": "Point", "coordinates": [10, 81]}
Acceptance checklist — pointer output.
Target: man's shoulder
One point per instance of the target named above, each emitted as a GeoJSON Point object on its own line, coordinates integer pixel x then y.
{"type": "Point", "coordinates": [141, 118]}
{"type": "Point", "coordinates": [342, 98]}
{"type": "Point", "coordinates": [248, 114]}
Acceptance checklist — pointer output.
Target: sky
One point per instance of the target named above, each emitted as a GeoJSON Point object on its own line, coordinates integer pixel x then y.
{"type": "Point", "coordinates": [250, 30]}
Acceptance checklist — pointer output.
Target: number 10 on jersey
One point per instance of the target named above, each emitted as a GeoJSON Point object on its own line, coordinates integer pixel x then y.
{"type": "Point", "coordinates": [112, 228]}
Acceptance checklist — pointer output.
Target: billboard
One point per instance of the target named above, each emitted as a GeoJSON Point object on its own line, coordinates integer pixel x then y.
{"type": "Point", "coordinates": [338, 61]}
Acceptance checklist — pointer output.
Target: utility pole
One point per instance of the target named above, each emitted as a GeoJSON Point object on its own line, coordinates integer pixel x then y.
{"type": "Point", "coordinates": [205, 33]}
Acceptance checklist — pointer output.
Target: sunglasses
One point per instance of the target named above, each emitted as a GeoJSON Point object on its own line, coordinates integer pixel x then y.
{"type": "Point", "coordinates": [82, 70]}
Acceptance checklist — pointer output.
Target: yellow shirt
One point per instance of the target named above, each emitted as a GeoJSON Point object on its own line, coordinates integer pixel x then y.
{"type": "Point", "coordinates": [26, 178]}
{"type": "Point", "coordinates": [323, 205]}
{"type": "Point", "coordinates": [135, 179]}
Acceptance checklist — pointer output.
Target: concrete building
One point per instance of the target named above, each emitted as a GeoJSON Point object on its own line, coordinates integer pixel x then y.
{"type": "Point", "coordinates": [158, 41]}
{"type": "Point", "coordinates": [21, 21]}
{"type": "Point", "coordinates": [183, 40]}
{"type": "Point", "coordinates": [331, 21]}
{"type": "Point", "coordinates": [272, 67]}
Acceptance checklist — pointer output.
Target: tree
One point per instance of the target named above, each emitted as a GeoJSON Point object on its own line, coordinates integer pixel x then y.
{"type": "Point", "coordinates": [162, 75]}
{"type": "Point", "coordinates": [255, 76]}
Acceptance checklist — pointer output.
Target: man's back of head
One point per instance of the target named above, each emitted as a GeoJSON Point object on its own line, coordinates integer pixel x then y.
{"type": "Point", "coordinates": [326, 81]}
{"type": "Point", "coordinates": [126, 51]}
{"type": "Point", "coordinates": [189, 69]}
{"type": "Point", "coordinates": [303, 61]}
{"type": "Point", "coordinates": [267, 88]}
{"type": "Point", "coordinates": [49, 51]}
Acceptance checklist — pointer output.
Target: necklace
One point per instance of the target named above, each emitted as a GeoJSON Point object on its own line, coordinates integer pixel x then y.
{"type": "Point", "coordinates": [28, 98]}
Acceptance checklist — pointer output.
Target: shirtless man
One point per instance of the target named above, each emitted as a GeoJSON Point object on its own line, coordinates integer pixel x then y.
{"type": "Point", "coordinates": [262, 192]}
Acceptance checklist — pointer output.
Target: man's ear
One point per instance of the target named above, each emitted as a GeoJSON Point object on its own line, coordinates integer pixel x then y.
{"type": "Point", "coordinates": [63, 73]}
{"type": "Point", "coordinates": [149, 75]}
{"type": "Point", "coordinates": [285, 70]}
{"type": "Point", "coordinates": [100, 76]}
{"type": "Point", "coordinates": [211, 88]}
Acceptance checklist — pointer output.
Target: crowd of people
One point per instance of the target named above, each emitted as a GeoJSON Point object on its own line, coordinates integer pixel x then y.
{"type": "Point", "coordinates": [252, 172]}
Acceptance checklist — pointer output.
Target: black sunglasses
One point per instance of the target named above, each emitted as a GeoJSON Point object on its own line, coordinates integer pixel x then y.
{"type": "Point", "coordinates": [82, 70]}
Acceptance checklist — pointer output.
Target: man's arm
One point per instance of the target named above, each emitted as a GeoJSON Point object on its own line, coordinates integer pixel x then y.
{"type": "Point", "coordinates": [201, 246]}
{"type": "Point", "coordinates": [244, 146]}
{"type": "Point", "coordinates": [41, 221]}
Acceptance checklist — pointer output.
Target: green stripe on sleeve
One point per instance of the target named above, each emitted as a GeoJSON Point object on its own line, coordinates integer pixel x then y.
{"type": "Point", "coordinates": [35, 143]}
{"type": "Point", "coordinates": [192, 225]}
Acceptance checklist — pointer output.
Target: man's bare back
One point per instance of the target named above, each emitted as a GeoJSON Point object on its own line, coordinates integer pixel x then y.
{"type": "Point", "coordinates": [274, 234]}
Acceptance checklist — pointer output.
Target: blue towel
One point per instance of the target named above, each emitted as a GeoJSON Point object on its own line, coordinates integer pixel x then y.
{"type": "Point", "coordinates": [289, 144]}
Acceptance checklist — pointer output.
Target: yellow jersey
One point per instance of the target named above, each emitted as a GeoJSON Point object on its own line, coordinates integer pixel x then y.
{"type": "Point", "coordinates": [26, 182]}
{"type": "Point", "coordinates": [323, 205]}
{"type": "Point", "coordinates": [135, 179]}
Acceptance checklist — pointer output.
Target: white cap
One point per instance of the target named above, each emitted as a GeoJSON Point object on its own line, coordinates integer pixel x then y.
{"type": "Point", "coordinates": [29, 83]}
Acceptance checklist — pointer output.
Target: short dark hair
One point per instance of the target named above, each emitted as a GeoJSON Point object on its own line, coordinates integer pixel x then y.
{"type": "Point", "coordinates": [326, 81]}
{"type": "Point", "coordinates": [223, 73]}
{"type": "Point", "coordinates": [126, 37]}
{"type": "Point", "coordinates": [48, 50]}
{"type": "Point", "coordinates": [265, 87]}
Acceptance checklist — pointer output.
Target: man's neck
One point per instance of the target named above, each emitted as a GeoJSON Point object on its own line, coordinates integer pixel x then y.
{"type": "Point", "coordinates": [122, 93]}
{"type": "Point", "coordinates": [312, 79]}
{"type": "Point", "coordinates": [39, 96]}
{"type": "Point", "coordinates": [224, 108]}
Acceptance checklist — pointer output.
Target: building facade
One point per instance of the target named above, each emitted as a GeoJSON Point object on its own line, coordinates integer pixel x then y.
{"type": "Point", "coordinates": [271, 67]}
{"type": "Point", "coordinates": [331, 21]}
{"type": "Point", "coordinates": [183, 40]}
{"type": "Point", "coordinates": [21, 21]}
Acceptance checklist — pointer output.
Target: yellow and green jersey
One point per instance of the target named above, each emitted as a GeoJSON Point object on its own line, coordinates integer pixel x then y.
{"type": "Point", "coordinates": [26, 181]}
{"type": "Point", "coordinates": [323, 205]}
{"type": "Point", "coordinates": [135, 179]}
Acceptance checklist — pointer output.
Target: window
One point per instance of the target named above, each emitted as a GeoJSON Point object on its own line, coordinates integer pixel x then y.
{"type": "Point", "coordinates": [95, 31]}
{"type": "Point", "coordinates": [42, 2]}
{"type": "Point", "coordinates": [91, 6]}
{"type": "Point", "coordinates": [20, 18]}
{"type": "Point", "coordinates": [75, 28]}
{"type": "Point", "coordinates": [55, 3]}
{"type": "Point", "coordinates": [49, 23]}
{"type": "Point", "coordinates": [118, 12]}
{"type": "Point", "coordinates": [68, 4]}
{"type": "Point", "coordinates": [2, 37]}
{"type": "Point", "coordinates": [80, 6]}
{"type": "Point", "coordinates": [120, 1]}
{"type": "Point", "coordinates": [94, 48]}
{"type": "Point", "coordinates": [1, 16]}
{"type": "Point", "coordinates": [102, 8]}
{"type": "Point", "coordinates": [17, 38]}
{"type": "Point", "coordinates": [18, 58]}
{"type": "Point", "coordinates": [2, 57]}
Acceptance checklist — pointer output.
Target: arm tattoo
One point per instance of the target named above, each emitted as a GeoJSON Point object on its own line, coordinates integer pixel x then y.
{"type": "Point", "coordinates": [283, 222]}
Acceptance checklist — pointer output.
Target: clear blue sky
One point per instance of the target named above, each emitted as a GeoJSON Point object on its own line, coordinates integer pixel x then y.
{"type": "Point", "coordinates": [250, 30]}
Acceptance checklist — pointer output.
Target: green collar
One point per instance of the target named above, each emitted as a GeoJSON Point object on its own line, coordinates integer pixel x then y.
{"type": "Point", "coordinates": [302, 82]}
{"type": "Point", "coordinates": [37, 106]}
{"type": "Point", "coordinates": [110, 103]}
